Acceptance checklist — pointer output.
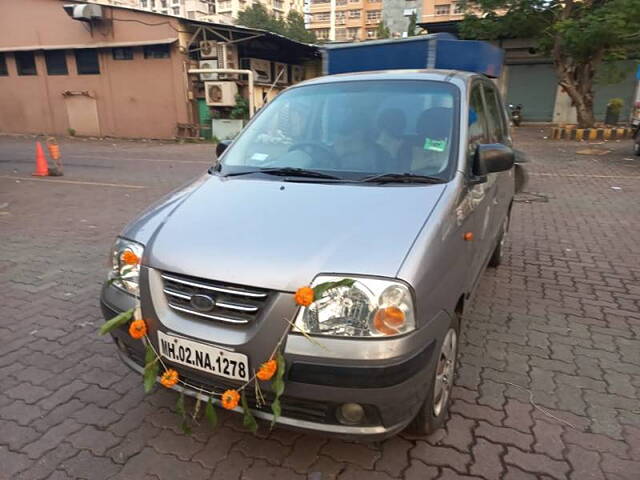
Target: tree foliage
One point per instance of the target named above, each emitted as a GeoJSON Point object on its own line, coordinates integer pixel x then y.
{"type": "Point", "coordinates": [383, 31]}
{"type": "Point", "coordinates": [579, 36]}
{"type": "Point", "coordinates": [257, 16]}
{"type": "Point", "coordinates": [411, 29]}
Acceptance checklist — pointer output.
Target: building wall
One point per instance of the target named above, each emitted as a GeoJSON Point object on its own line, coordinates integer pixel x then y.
{"type": "Point", "coordinates": [345, 20]}
{"type": "Point", "coordinates": [440, 11]}
{"type": "Point", "coordinates": [134, 98]}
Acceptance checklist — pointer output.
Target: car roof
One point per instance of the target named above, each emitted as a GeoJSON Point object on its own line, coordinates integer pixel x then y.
{"type": "Point", "coordinates": [423, 74]}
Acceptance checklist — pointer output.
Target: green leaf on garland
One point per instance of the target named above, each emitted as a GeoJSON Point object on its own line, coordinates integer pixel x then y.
{"type": "Point", "coordinates": [116, 321]}
{"type": "Point", "coordinates": [180, 406]}
{"type": "Point", "coordinates": [321, 289]}
{"type": "Point", "coordinates": [278, 387]}
{"type": "Point", "coordinates": [210, 414]}
{"type": "Point", "coordinates": [248, 421]}
{"type": "Point", "coordinates": [150, 369]}
{"type": "Point", "coordinates": [184, 425]}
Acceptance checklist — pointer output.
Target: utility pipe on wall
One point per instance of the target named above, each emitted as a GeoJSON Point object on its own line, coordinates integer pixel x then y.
{"type": "Point", "coordinates": [249, 73]}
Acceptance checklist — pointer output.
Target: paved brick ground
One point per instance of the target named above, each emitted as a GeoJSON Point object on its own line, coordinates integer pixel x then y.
{"type": "Point", "coordinates": [557, 326]}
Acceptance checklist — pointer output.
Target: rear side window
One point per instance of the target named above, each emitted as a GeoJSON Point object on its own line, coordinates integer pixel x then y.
{"type": "Point", "coordinates": [56, 61]}
{"type": "Point", "coordinates": [87, 62]}
{"type": "Point", "coordinates": [497, 124]}
{"type": "Point", "coordinates": [25, 63]}
{"type": "Point", "coordinates": [3, 65]}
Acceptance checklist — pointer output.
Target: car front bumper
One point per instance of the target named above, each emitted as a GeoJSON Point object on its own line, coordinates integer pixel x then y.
{"type": "Point", "coordinates": [390, 379]}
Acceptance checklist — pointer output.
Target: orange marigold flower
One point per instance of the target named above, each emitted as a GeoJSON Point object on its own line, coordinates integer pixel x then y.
{"type": "Point", "coordinates": [267, 370]}
{"type": "Point", "coordinates": [138, 329]}
{"type": "Point", "coordinates": [129, 258]}
{"type": "Point", "coordinates": [169, 378]}
{"type": "Point", "coordinates": [230, 399]}
{"type": "Point", "coordinates": [305, 296]}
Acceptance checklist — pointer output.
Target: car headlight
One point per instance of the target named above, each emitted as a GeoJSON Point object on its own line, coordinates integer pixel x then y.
{"type": "Point", "coordinates": [125, 265]}
{"type": "Point", "coordinates": [370, 307]}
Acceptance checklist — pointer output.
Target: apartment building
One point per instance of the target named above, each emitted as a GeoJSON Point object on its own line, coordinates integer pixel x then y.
{"type": "Point", "coordinates": [279, 8]}
{"type": "Point", "coordinates": [345, 20]}
{"type": "Point", "coordinates": [438, 11]}
{"type": "Point", "coordinates": [192, 9]}
{"type": "Point", "coordinates": [356, 20]}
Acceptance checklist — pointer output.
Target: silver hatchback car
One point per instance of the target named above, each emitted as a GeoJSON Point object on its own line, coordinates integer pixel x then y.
{"type": "Point", "coordinates": [402, 181]}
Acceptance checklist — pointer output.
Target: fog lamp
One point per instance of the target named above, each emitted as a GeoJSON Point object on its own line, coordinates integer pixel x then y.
{"type": "Point", "coordinates": [350, 414]}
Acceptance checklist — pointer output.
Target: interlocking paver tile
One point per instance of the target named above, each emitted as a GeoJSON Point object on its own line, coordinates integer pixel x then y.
{"type": "Point", "coordinates": [557, 325]}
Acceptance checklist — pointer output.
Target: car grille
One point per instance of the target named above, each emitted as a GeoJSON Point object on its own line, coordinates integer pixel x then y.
{"type": "Point", "coordinates": [233, 303]}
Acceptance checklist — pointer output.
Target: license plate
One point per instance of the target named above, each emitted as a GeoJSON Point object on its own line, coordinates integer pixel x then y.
{"type": "Point", "coordinates": [204, 357]}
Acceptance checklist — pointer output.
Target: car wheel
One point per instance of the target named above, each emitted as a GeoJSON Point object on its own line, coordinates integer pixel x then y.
{"type": "Point", "coordinates": [636, 147]}
{"type": "Point", "coordinates": [434, 411]}
{"type": "Point", "coordinates": [496, 256]}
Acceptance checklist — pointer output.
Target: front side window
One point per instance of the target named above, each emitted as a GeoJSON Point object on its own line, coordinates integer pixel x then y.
{"type": "Point", "coordinates": [478, 131]}
{"type": "Point", "coordinates": [56, 61]}
{"type": "Point", "coordinates": [3, 65]}
{"type": "Point", "coordinates": [156, 51]}
{"type": "Point", "coordinates": [354, 129]}
{"type": "Point", "coordinates": [497, 123]}
{"type": "Point", "coordinates": [25, 63]}
{"type": "Point", "coordinates": [87, 62]}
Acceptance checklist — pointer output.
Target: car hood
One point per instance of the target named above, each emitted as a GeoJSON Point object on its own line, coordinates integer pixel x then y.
{"type": "Point", "coordinates": [279, 235]}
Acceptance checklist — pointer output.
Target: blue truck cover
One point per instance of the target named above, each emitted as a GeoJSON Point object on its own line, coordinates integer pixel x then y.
{"type": "Point", "coordinates": [440, 50]}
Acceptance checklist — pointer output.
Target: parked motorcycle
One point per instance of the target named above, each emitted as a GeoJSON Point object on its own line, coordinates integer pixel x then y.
{"type": "Point", "coordinates": [516, 114]}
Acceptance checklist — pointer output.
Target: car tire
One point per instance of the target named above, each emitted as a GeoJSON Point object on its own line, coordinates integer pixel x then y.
{"type": "Point", "coordinates": [636, 147]}
{"type": "Point", "coordinates": [496, 257]}
{"type": "Point", "coordinates": [435, 409]}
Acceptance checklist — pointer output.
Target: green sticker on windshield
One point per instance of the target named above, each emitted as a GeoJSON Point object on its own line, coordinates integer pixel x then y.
{"type": "Point", "coordinates": [435, 145]}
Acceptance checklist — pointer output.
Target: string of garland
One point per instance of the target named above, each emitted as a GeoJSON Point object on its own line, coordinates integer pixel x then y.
{"type": "Point", "coordinates": [271, 370]}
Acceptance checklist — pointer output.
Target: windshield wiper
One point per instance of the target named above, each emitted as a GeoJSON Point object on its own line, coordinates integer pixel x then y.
{"type": "Point", "coordinates": [287, 172]}
{"type": "Point", "coordinates": [401, 178]}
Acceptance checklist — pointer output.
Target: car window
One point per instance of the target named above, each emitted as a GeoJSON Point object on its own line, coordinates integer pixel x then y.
{"type": "Point", "coordinates": [354, 128]}
{"type": "Point", "coordinates": [478, 128]}
{"type": "Point", "coordinates": [497, 125]}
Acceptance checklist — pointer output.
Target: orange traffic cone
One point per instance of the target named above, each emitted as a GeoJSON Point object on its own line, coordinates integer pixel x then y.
{"type": "Point", "coordinates": [42, 170]}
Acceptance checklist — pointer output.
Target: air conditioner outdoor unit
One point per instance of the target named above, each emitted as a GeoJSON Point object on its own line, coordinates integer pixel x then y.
{"type": "Point", "coordinates": [281, 73]}
{"type": "Point", "coordinates": [221, 94]}
{"type": "Point", "coordinates": [203, 64]}
{"type": "Point", "coordinates": [227, 58]}
{"type": "Point", "coordinates": [208, 49]}
{"type": "Point", "coordinates": [84, 13]}
{"type": "Point", "coordinates": [261, 69]}
{"type": "Point", "coordinates": [297, 73]}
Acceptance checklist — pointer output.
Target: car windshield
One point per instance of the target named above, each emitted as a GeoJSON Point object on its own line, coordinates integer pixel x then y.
{"type": "Point", "coordinates": [352, 130]}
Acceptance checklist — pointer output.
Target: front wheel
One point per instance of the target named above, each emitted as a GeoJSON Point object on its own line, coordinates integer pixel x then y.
{"type": "Point", "coordinates": [434, 411]}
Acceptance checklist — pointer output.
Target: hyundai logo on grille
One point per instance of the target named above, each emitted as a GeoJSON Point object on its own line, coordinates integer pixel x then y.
{"type": "Point", "coordinates": [202, 303]}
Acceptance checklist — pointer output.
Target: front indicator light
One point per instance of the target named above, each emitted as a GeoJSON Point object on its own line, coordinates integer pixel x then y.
{"type": "Point", "coordinates": [389, 320]}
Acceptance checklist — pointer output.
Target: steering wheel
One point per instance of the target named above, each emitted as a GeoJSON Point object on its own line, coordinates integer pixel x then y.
{"type": "Point", "coordinates": [328, 159]}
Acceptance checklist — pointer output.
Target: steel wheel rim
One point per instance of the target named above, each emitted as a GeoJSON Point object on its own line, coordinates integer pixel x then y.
{"type": "Point", "coordinates": [445, 370]}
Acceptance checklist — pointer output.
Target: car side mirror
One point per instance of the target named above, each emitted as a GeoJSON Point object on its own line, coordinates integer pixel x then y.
{"type": "Point", "coordinates": [493, 157]}
{"type": "Point", "coordinates": [221, 147]}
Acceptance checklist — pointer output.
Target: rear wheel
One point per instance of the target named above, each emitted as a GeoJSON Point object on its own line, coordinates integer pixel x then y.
{"type": "Point", "coordinates": [496, 256]}
{"type": "Point", "coordinates": [435, 409]}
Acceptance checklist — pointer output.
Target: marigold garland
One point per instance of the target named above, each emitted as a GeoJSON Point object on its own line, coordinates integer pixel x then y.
{"type": "Point", "coordinates": [230, 399]}
{"type": "Point", "coordinates": [304, 296]}
{"type": "Point", "coordinates": [169, 378]}
{"type": "Point", "coordinates": [267, 370]}
{"type": "Point", "coordinates": [138, 329]}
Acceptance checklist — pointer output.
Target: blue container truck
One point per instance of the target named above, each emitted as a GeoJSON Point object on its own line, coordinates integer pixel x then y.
{"type": "Point", "coordinates": [439, 50]}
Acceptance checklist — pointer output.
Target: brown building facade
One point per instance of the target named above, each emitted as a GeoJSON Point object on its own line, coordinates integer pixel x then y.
{"type": "Point", "coordinates": [124, 74]}
{"type": "Point", "coordinates": [345, 20]}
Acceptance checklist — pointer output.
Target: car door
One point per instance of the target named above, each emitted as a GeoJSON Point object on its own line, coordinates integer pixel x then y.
{"type": "Point", "coordinates": [501, 184]}
{"type": "Point", "coordinates": [474, 208]}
